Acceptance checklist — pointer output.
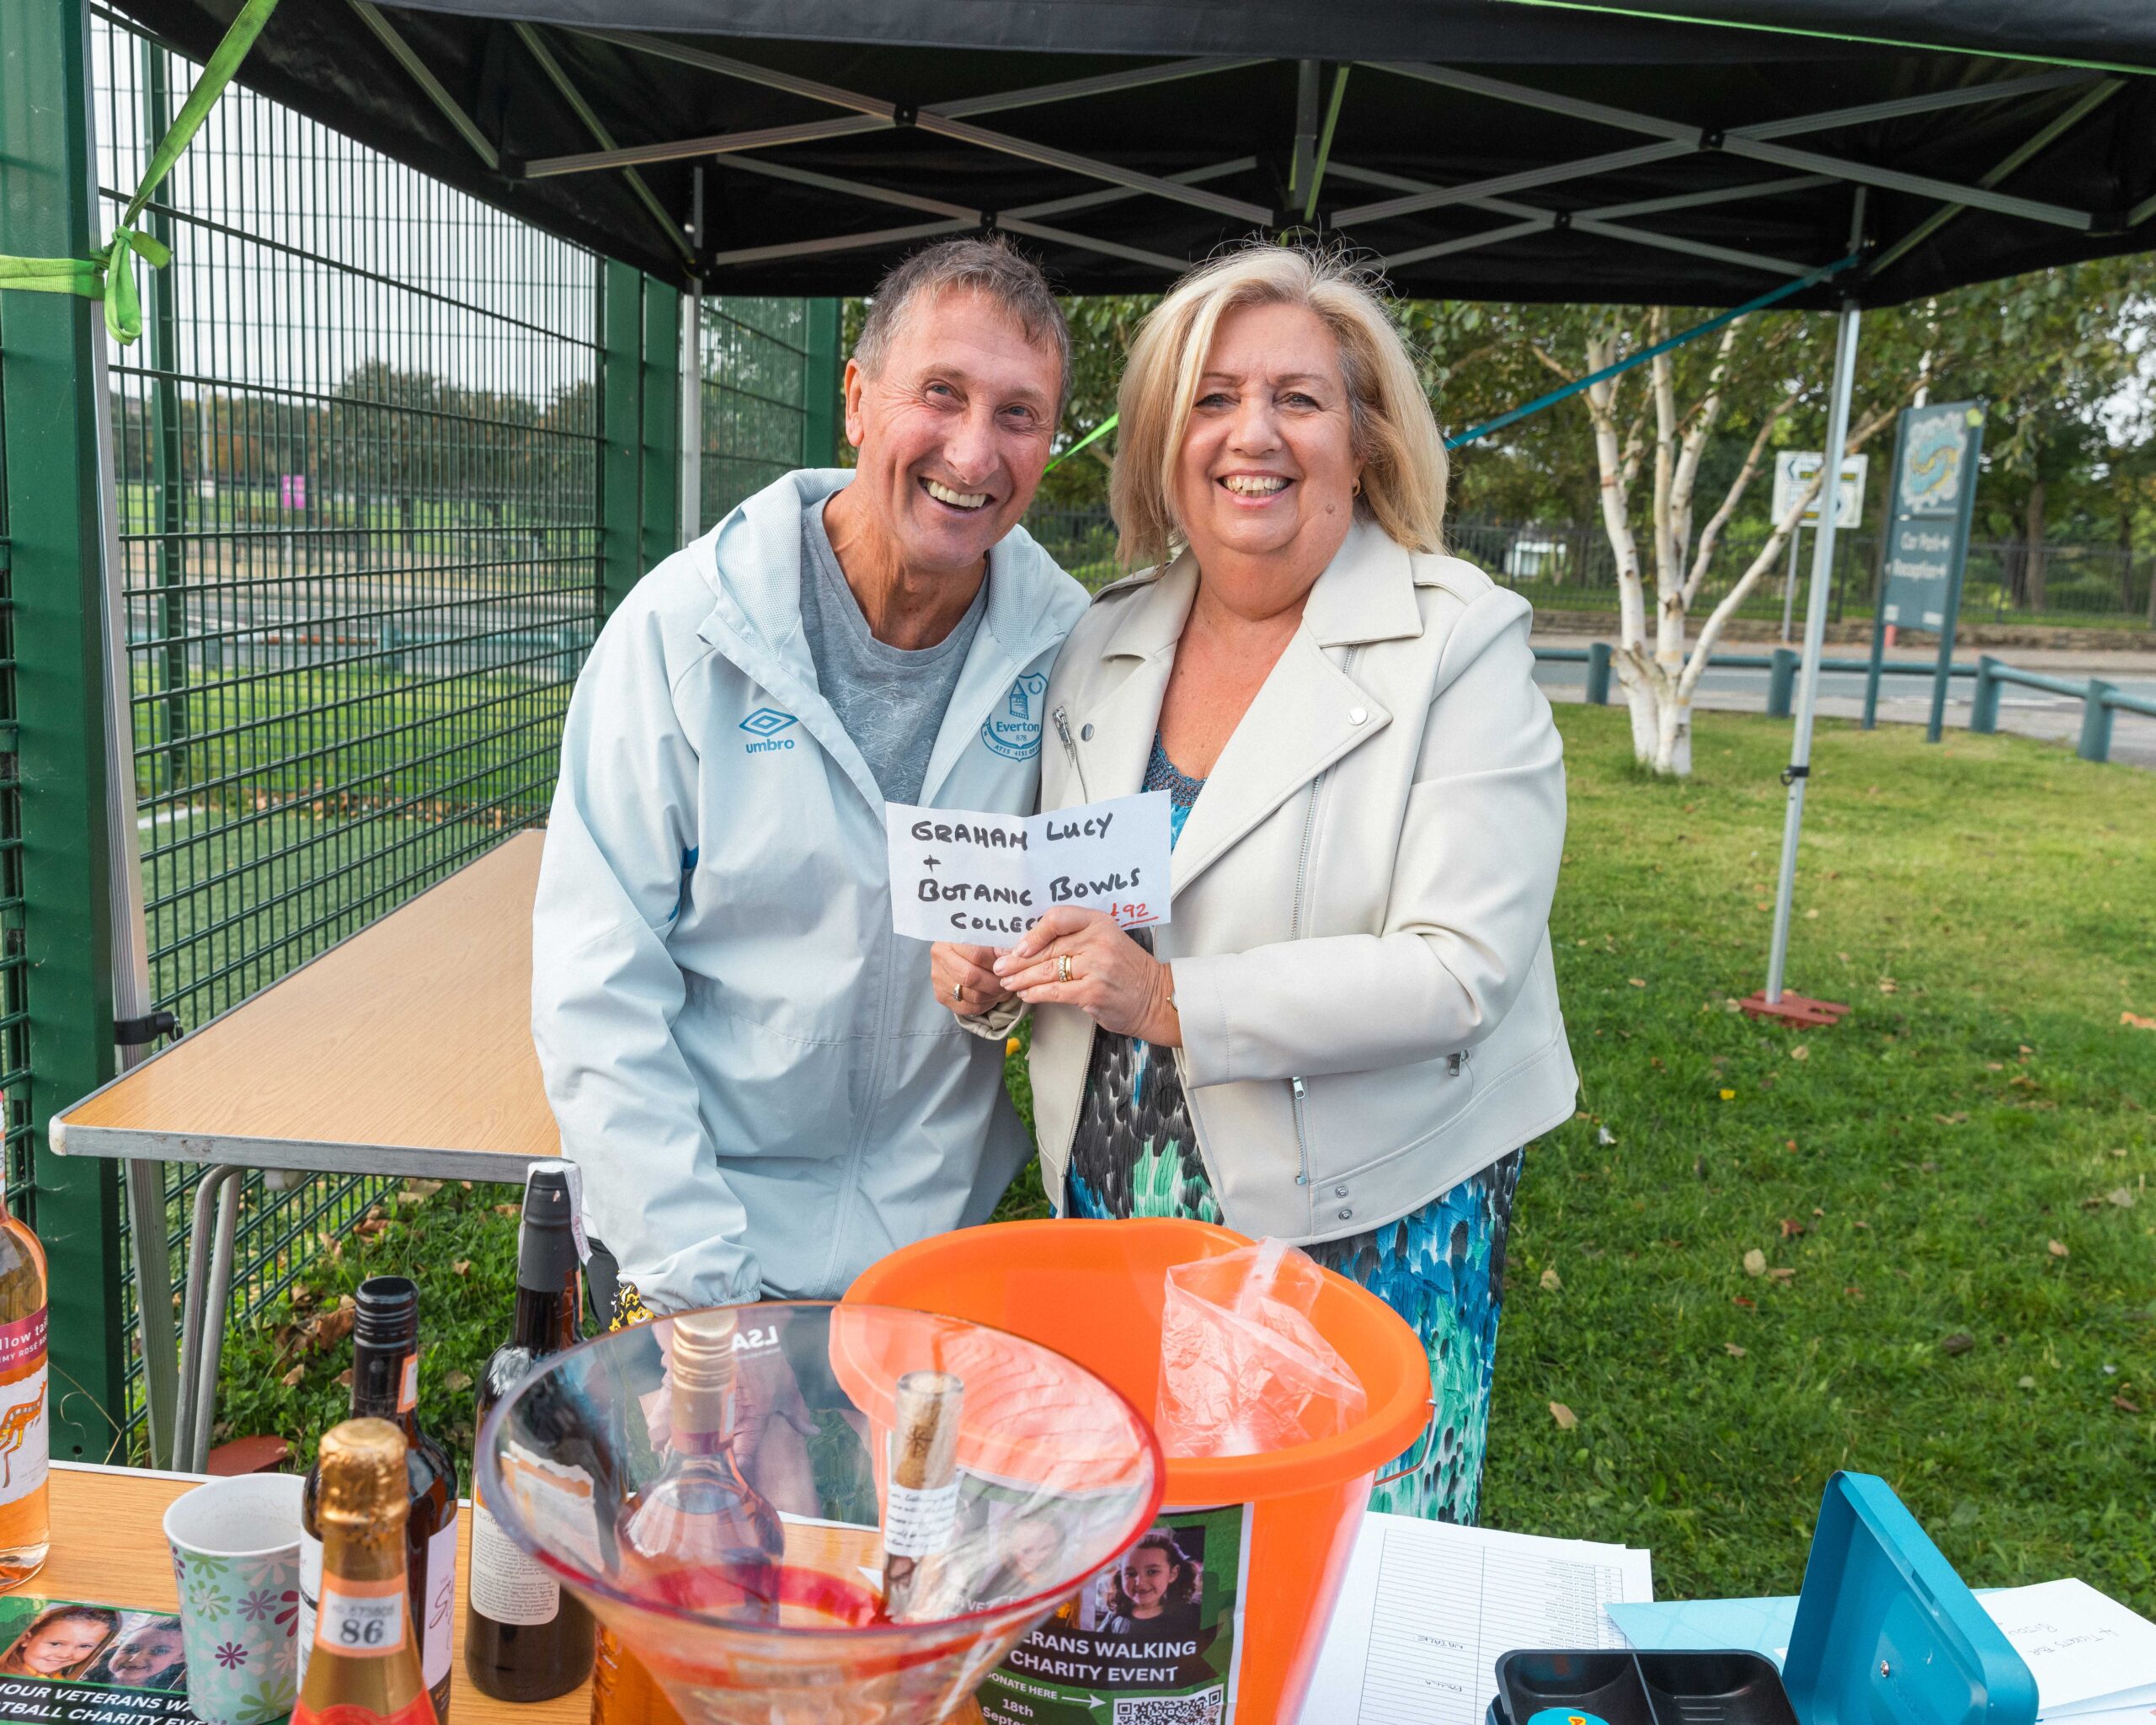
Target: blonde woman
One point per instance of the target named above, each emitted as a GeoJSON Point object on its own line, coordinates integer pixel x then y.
{"type": "Point", "coordinates": [1351, 1025]}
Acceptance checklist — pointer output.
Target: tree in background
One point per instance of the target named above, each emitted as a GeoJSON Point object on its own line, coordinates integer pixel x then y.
{"type": "Point", "coordinates": [1758, 376]}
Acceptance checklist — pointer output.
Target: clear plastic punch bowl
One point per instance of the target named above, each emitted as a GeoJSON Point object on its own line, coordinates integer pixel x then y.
{"type": "Point", "coordinates": [1056, 1475]}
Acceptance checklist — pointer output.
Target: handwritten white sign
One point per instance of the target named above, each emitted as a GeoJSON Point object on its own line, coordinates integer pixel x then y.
{"type": "Point", "coordinates": [987, 879]}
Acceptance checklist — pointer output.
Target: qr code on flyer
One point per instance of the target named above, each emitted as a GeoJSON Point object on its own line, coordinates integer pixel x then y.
{"type": "Point", "coordinates": [1202, 1708]}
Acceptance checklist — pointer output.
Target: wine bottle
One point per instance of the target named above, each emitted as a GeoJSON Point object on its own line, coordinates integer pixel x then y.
{"type": "Point", "coordinates": [525, 1640]}
{"type": "Point", "coordinates": [385, 1386]}
{"type": "Point", "coordinates": [699, 1535]}
{"type": "Point", "coordinates": [25, 1437]}
{"type": "Point", "coordinates": [364, 1664]}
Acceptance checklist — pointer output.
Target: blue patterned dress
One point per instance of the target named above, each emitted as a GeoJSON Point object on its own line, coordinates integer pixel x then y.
{"type": "Point", "coordinates": [1441, 1268]}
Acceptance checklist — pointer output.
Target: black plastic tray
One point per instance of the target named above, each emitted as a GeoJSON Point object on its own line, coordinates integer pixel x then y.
{"type": "Point", "coordinates": [1641, 1689]}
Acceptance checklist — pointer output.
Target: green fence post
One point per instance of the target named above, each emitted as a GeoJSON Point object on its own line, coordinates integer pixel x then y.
{"type": "Point", "coordinates": [2095, 722]}
{"type": "Point", "coordinates": [1598, 673]}
{"type": "Point", "coordinates": [1984, 704]}
{"type": "Point", "coordinates": [820, 388]}
{"type": "Point", "coordinates": [620, 431]}
{"type": "Point", "coordinates": [56, 583]}
{"type": "Point", "coordinates": [662, 421]}
{"type": "Point", "coordinates": [1781, 682]}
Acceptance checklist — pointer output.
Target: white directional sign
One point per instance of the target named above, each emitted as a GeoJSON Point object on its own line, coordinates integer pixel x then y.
{"type": "Point", "coordinates": [1795, 468]}
{"type": "Point", "coordinates": [985, 879]}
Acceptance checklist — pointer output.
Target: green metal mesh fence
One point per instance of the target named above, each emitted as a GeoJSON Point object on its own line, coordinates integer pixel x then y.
{"type": "Point", "coordinates": [753, 359]}
{"type": "Point", "coordinates": [356, 455]}
{"type": "Point", "coordinates": [16, 1130]}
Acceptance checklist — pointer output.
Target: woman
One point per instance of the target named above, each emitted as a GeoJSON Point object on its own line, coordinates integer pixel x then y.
{"type": "Point", "coordinates": [149, 1656]}
{"type": "Point", "coordinates": [1154, 1592]}
{"type": "Point", "coordinates": [59, 1642]}
{"type": "Point", "coordinates": [1350, 1024]}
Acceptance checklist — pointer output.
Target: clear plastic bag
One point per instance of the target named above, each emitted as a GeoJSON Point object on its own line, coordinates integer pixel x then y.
{"type": "Point", "coordinates": [1243, 1370]}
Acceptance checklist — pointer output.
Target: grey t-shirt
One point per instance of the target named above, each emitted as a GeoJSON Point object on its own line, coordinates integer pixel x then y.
{"type": "Point", "coordinates": [890, 700]}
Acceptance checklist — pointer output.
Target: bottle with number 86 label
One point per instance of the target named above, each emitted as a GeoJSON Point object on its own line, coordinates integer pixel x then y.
{"type": "Point", "coordinates": [385, 1386]}
{"type": "Point", "coordinates": [364, 1668]}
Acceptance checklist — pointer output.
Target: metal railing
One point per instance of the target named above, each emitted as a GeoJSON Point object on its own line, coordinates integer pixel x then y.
{"type": "Point", "coordinates": [17, 1127]}
{"type": "Point", "coordinates": [356, 454]}
{"type": "Point", "coordinates": [2101, 701]}
{"type": "Point", "coordinates": [1569, 566]}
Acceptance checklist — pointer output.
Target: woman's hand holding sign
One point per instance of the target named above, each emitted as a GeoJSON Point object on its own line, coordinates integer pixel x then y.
{"type": "Point", "coordinates": [964, 982]}
{"type": "Point", "coordinates": [1083, 958]}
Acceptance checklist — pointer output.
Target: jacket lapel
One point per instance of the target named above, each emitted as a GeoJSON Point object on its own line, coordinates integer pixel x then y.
{"type": "Point", "coordinates": [1307, 715]}
{"type": "Point", "coordinates": [1142, 647]}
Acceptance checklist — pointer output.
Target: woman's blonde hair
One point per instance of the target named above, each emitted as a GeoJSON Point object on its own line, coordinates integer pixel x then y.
{"type": "Point", "coordinates": [1403, 455]}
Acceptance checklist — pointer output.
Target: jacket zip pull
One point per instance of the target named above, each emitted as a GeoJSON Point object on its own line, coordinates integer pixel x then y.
{"type": "Point", "coordinates": [1071, 750]}
{"type": "Point", "coordinates": [1302, 1143]}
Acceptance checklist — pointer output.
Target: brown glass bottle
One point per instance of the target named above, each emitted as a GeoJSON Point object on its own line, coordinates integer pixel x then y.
{"type": "Point", "coordinates": [385, 1386]}
{"type": "Point", "coordinates": [364, 1663]}
{"type": "Point", "coordinates": [25, 1436]}
{"type": "Point", "coordinates": [525, 1639]}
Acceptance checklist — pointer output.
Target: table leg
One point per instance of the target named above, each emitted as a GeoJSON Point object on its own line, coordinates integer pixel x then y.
{"type": "Point", "coordinates": [202, 1312]}
{"type": "Point", "coordinates": [146, 1229]}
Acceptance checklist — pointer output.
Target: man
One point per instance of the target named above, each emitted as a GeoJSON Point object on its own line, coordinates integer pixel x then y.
{"type": "Point", "coordinates": [747, 1063]}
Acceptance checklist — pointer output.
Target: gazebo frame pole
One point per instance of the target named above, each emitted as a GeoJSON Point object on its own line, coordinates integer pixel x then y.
{"type": "Point", "coordinates": [1815, 634]}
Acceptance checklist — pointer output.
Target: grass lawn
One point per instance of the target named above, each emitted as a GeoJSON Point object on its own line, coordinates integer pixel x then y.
{"type": "Point", "coordinates": [1943, 1203]}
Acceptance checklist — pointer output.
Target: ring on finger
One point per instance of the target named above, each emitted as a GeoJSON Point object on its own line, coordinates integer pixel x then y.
{"type": "Point", "coordinates": [958, 993]}
{"type": "Point", "coordinates": [1063, 967]}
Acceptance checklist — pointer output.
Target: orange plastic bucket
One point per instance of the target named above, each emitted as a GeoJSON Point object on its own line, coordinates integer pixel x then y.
{"type": "Point", "coordinates": [1093, 1290]}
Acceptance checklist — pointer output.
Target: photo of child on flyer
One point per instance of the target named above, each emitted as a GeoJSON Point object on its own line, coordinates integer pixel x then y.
{"type": "Point", "coordinates": [1154, 1592]}
{"type": "Point", "coordinates": [61, 1641]}
{"type": "Point", "coordinates": [67, 1643]}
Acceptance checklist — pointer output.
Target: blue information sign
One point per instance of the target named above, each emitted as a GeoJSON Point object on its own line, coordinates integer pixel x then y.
{"type": "Point", "coordinates": [1929, 504]}
{"type": "Point", "coordinates": [1928, 530]}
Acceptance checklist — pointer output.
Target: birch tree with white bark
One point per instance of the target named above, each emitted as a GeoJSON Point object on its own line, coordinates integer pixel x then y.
{"type": "Point", "coordinates": [1648, 446]}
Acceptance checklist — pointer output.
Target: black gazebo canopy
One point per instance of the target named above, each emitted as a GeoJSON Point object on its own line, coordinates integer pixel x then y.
{"type": "Point", "coordinates": [1493, 149]}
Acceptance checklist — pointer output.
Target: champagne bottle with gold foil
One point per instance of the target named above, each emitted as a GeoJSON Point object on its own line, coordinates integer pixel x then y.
{"type": "Point", "coordinates": [364, 1666]}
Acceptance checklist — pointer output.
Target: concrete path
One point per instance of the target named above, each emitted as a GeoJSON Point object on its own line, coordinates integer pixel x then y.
{"type": "Point", "coordinates": [1904, 700]}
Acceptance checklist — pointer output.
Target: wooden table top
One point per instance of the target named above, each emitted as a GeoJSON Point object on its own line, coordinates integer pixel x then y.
{"type": "Point", "coordinates": [404, 1050]}
{"type": "Point", "coordinates": [109, 1548]}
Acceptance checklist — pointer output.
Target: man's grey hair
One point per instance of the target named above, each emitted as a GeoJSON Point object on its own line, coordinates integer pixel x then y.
{"type": "Point", "coordinates": [988, 267]}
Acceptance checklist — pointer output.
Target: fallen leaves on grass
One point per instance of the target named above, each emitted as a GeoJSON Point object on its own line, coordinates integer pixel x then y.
{"type": "Point", "coordinates": [2136, 1020]}
{"type": "Point", "coordinates": [1802, 1051]}
{"type": "Point", "coordinates": [291, 1379]}
{"type": "Point", "coordinates": [344, 1378]}
{"type": "Point", "coordinates": [2122, 1196]}
{"type": "Point", "coordinates": [1739, 1299]}
{"type": "Point", "coordinates": [1565, 1418]}
{"type": "Point", "coordinates": [1551, 1281]}
{"type": "Point", "coordinates": [1637, 981]}
{"type": "Point", "coordinates": [508, 1209]}
{"type": "Point", "coordinates": [1888, 986]}
{"type": "Point", "coordinates": [1781, 1273]}
{"type": "Point", "coordinates": [2058, 1248]}
{"type": "Point", "coordinates": [1604, 1136]}
{"type": "Point", "coordinates": [1732, 1350]}
{"type": "Point", "coordinates": [2124, 1406]}
{"type": "Point", "coordinates": [1957, 1343]}
{"type": "Point", "coordinates": [1791, 1228]}
{"type": "Point", "coordinates": [456, 1380]}
{"type": "Point", "coordinates": [462, 1267]}
{"type": "Point", "coordinates": [1755, 1262]}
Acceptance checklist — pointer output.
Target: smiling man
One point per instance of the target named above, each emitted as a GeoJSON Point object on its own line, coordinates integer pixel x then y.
{"type": "Point", "coordinates": [742, 1056]}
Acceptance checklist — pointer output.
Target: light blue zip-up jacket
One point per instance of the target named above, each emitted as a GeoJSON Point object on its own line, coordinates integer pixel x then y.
{"type": "Point", "coordinates": [748, 1064]}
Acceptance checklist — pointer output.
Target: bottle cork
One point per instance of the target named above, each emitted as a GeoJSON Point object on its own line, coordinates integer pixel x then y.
{"type": "Point", "coordinates": [921, 1505]}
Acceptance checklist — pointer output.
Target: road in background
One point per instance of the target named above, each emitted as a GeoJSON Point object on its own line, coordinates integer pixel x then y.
{"type": "Point", "coordinates": [1907, 700]}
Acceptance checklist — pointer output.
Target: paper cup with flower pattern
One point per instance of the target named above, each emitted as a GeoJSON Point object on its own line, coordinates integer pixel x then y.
{"type": "Point", "coordinates": [236, 1555]}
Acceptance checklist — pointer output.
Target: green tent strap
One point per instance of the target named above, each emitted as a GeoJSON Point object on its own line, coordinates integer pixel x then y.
{"type": "Point", "coordinates": [108, 273]}
{"type": "Point", "coordinates": [1577, 384]}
